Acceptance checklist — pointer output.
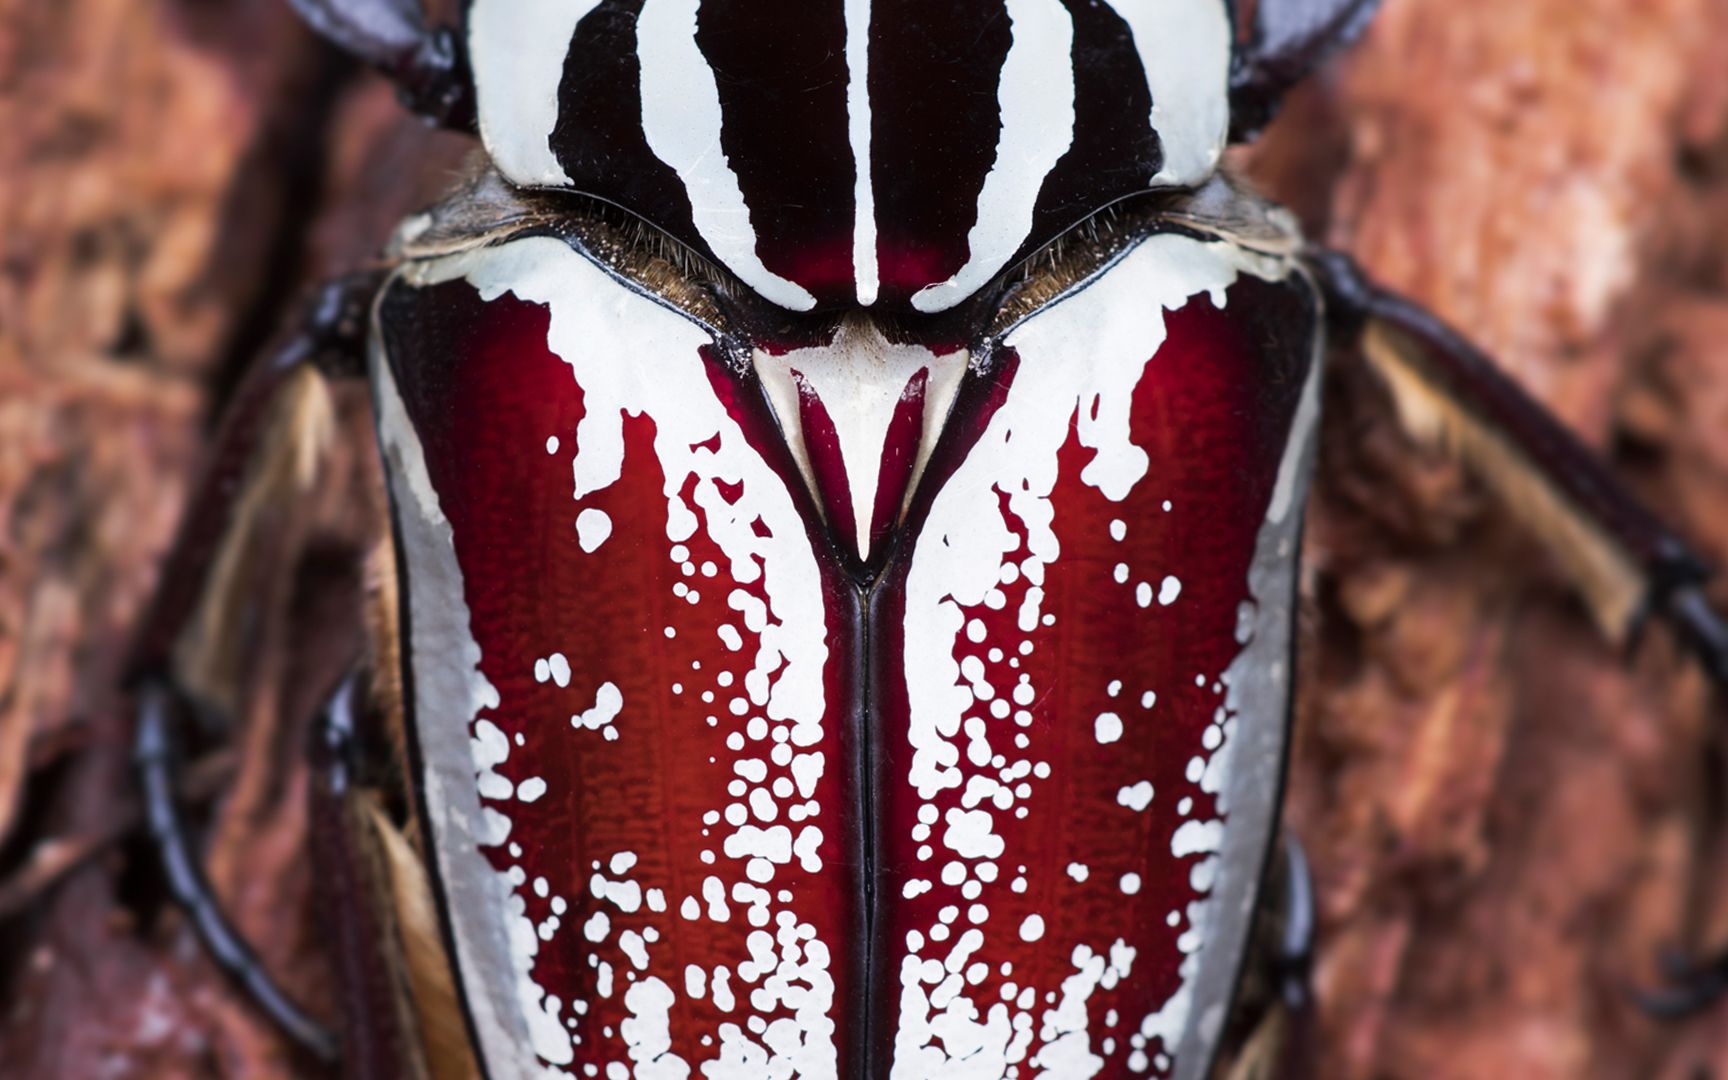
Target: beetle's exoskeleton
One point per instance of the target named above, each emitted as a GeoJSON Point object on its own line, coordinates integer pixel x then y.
{"type": "Point", "coordinates": [847, 463]}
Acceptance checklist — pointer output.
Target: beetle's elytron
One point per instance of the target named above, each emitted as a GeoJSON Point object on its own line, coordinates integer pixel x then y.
{"type": "Point", "coordinates": [847, 462]}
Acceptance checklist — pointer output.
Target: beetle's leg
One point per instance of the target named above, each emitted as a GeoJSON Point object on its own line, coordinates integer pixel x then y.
{"type": "Point", "coordinates": [360, 868]}
{"type": "Point", "coordinates": [157, 757]}
{"type": "Point", "coordinates": [1281, 1046]}
{"type": "Point", "coordinates": [1288, 40]}
{"type": "Point", "coordinates": [259, 452]}
{"type": "Point", "coordinates": [1627, 564]}
{"type": "Point", "coordinates": [428, 64]}
{"type": "Point", "coordinates": [329, 340]}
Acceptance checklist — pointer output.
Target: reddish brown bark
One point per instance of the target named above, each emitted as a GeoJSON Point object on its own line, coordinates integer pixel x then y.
{"type": "Point", "coordinates": [1506, 818]}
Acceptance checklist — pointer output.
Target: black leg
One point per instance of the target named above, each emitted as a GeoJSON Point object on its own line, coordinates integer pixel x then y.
{"type": "Point", "coordinates": [1628, 565]}
{"type": "Point", "coordinates": [1693, 986]}
{"type": "Point", "coordinates": [380, 1041]}
{"type": "Point", "coordinates": [157, 758]}
{"type": "Point", "coordinates": [1281, 1045]}
{"type": "Point", "coordinates": [1296, 941]}
{"type": "Point", "coordinates": [428, 64]}
{"type": "Point", "coordinates": [1289, 39]}
{"type": "Point", "coordinates": [329, 338]}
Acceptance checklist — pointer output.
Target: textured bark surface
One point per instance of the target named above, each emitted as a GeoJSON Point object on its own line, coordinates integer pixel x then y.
{"type": "Point", "coordinates": [1506, 818]}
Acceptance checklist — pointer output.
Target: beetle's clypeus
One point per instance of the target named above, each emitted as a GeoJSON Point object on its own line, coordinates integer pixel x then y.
{"type": "Point", "coordinates": [846, 465]}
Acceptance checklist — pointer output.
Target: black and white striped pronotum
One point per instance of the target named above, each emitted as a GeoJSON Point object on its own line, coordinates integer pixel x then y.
{"type": "Point", "coordinates": [901, 153]}
{"type": "Point", "coordinates": [847, 462]}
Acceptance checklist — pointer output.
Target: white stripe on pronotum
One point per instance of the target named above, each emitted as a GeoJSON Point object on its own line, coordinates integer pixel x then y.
{"type": "Point", "coordinates": [1036, 97]}
{"type": "Point", "coordinates": [518, 49]}
{"type": "Point", "coordinates": [681, 120]}
{"type": "Point", "coordinates": [858, 126]}
{"type": "Point", "coordinates": [1184, 47]}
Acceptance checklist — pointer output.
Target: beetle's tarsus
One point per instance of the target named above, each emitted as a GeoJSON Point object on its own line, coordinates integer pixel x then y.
{"type": "Point", "coordinates": [1692, 986]}
{"type": "Point", "coordinates": [156, 758]}
{"type": "Point", "coordinates": [1702, 628]}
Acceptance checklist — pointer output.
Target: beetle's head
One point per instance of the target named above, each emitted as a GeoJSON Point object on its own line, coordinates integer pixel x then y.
{"type": "Point", "coordinates": [896, 155]}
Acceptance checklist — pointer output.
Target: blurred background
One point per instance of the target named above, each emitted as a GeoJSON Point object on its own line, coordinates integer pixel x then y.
{"type": "Point", "coordinates": [1507, 818]}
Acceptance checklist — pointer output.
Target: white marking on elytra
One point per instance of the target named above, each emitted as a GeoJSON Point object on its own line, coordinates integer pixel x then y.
{"type": "Point", "coordinates": [787, 994]}
{"type": "Point", "coordinates": [860, 378]}
{"type": "Point", "coordinates": [864, 267]}
{"type": "Point", "coordinates": [1136, 796]}
{"type": "Point", "coordinates": [517, 49]}
{"type": "Point", "coordinates": [1080, 362]}
{"type": "Point", "coordinates": [1035, 96]}
{"type": "Point", "coordinates": [608, 703]}
{"type": "Point", "coordinates": [1169, 590]}
{"type": "Point", "coordinates": [681, 121]}
{"type": "Point", "coordinates": [1107, 728]}
{"type": "Point", "coordinates": [593, 527]}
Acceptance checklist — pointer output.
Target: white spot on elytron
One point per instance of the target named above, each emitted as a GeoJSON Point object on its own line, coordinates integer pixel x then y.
{"type": "Point", "coordinates": [1136, 797]}
{"type": "Point", "coordinates": [558, 668]}
{"type": "Point", "coordinates": [1035, 98]}
{"type": "Point", "coordinates": [551, 444]}
{"type": "Point", "coordinates": [1078, 871]}
{"type": "Point", "coordinates": [1118, 530]}
{"type": "Point", "coordinates": [1130, 884]}
{"type": "Point", "coordinates": [1148, 699]}
{"type": "Point", "coordinates": [648, 1032]}
{"type": "Point", "coordinates": [681, 122]}
{"type": "Point", "coordinates": [1107, 728]}
{"type": "Point", "coordinates": [608, 703]}
{"type": "Point", "coordinates": [531, 789]}
{"type": "Point", "coordinates": [592, 528]}
{"type": "Point", "coordinates": [1166, 506]}
{"type": "Point", "coordinates": [1143, 594]}
{"type": "Point", "coordinates": [1168, 591]}
{"type": "Point", "coordinates": [1032, 928]}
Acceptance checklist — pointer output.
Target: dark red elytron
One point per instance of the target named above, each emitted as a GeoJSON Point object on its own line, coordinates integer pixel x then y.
{"type": "Point", "coordinates": [753, 800]}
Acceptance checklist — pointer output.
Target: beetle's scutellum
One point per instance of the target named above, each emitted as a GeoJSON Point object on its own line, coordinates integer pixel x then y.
{"type": "Point", "coordinates": [847, 462]}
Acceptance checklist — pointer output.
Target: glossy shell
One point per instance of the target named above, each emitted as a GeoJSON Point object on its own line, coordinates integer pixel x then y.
{"type": "Point", "coordinates": [719, 784]}
{"type": "Point", "coordinates": [855, 152]}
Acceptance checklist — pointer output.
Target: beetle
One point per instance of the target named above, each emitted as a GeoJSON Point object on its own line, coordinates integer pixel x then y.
{"type": "Point", "coordinates": [844, 525]}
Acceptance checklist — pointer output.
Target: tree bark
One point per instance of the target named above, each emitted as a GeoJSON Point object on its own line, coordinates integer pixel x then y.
{"type": "Point", "coordinates": [1506, 818]}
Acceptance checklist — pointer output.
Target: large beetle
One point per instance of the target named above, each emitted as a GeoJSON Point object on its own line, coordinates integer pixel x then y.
{"type": "Point", "coordinates": [846, 463]}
